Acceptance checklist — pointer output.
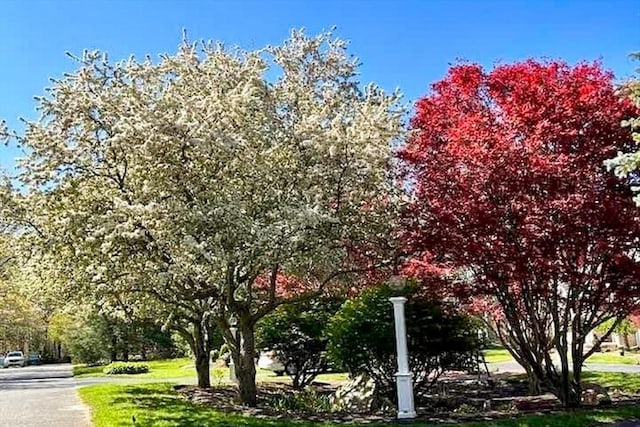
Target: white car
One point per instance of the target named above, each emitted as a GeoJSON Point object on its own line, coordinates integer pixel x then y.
{"type": "Point", "coordinates": [14, 358]}
{"type": "Point", "coordinates": [269, 361]}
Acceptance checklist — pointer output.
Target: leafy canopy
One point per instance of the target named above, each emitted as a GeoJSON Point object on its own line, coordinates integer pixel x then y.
{"type": "Point", "coordinates": [513, 199]}
{"type": "Point", "coordinates": [194, 183]}
{"type": "Point", "coordinates": [362, 338]}
{"type": "Point", "coordinates": [627, 161]}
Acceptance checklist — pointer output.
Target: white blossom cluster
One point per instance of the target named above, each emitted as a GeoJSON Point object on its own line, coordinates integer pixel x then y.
{"type": "Point", "coordinates": [627, 164]}
{"type": "Point", "coordinates": [190, 177]}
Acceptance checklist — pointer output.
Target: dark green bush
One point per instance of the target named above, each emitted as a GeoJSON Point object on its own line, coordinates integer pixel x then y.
{"type": "Point", "coordinates": [296, 333]}
{"type": "Point", "coordinates": [440, 338]}
{"type": "Point", "coordinates": [85, 337]}
{"type": "Point", "coordinates": [122, 368]}
{"type": "Point", "coordinates": [306, 402]}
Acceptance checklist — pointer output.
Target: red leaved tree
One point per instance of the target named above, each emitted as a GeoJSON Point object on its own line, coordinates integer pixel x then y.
{"type": "Point", "coordinates": [511, 194]}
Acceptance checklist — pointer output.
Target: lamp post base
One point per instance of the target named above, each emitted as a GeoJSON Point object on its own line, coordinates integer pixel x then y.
{"type": "Point", "coordinates": [405, 396]}
{"type": "Point", "coordinates": [406, 415]}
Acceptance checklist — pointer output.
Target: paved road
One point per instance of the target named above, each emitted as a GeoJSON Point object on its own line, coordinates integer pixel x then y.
{"type": "Point", "coordinates": [41, 396]}
{"type": "Point", "coordinates": [588, 367]}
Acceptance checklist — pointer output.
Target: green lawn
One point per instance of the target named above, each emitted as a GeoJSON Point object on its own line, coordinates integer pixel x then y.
{"type": "Point", "coordinates": [169, 369]}
{"type": "Point", "coordinates": [183, 368]}
{"type": "Point", "coordinates": [612, 380]}
{"type": "Point", "coordinates": [173, 369]}
{"type": "Point", "coordinates": [84, 371]}
{"type": "Point", "coordinates": [497, 355]}
{"type": "Point", "coordinates": [336, 377]}
{"type": "Point", "coordinates": [158, 405]}
{"type": "Point", "coordinates": [615, 380]}
{"type": "Point", "coordinates": [615, 358]}
{"type": "Point", "coordinates": [166, 368]}
{"type": "Point", "coordinates": [581, 418]}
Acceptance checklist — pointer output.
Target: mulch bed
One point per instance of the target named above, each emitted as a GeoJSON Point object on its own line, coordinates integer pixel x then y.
{"type": "Point", "coordinates": [459, 400]}
{"type": "Point", "coordinates": [225, 399]}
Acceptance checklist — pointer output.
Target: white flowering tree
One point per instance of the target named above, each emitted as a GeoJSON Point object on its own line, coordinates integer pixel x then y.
{"type": "Point", "coordinates": [217, 183]}
{"type": "Point", "coordinates": [23, 313]}
{"type": "Point", "coordinates": [627, 164]}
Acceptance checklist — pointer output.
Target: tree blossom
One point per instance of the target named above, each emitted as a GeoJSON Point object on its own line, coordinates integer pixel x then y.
{"type": "Point", "coordinates": [197, 179]}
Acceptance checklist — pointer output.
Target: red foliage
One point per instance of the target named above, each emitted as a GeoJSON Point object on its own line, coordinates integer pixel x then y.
{"type": "Point", "coordinates": [507, 171]}
{"type": "Point", "coordinates": [285, 286]}
{"type": "Point", "coordinates": [635, 319]}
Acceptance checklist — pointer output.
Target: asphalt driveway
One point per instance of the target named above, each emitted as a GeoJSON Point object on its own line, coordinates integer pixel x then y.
{"type": "Point", "coordinates": [41, 396]}
{"type": "Point", "coordinates": [514, 367]}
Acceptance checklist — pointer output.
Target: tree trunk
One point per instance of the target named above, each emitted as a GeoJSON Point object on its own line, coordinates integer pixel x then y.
{"type": "Point", "coordinates": [569, 389]}
{"type": "Point", "coordinates": [534, 383]}
{"type": "Point", "coordinates": [200, 350]}
{"type": "Point", "coordinates": [297, 380]}
{"type": "Point", "coordinates": [125, 344]}
{"type": "Point", "coordinates": [114, 347]}
{"type": "Point", "coordinates": [576, 386]}
{"type": "Point", "coordinates": [565, 382]}
{"type": "Point", "coordinates": [244, 360]}
{"type": "Point", "coordinates": [570, 397]}
{"type": "Point", "coordinates": [578, 360]}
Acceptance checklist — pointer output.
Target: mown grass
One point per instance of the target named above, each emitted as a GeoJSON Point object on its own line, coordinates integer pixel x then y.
{"type": "Point", "coordinates": [158, 405]}
{"type": "Point", "coordinates": [181, 369]}
{"type": "Point", "coordinates": [84, 371]}
{"type": "Point", "coordinates": [165, 368]}
{"type": "Point", "coordinates": [615, 358]}
{"type": "Point", "coordinates": [184, 367]}
{"type": "Point", "coordinates": [335, 377]}
{"type": "Point", "coordinates": [168, 369]}
{"type": "Point", "coordinates": [626, 382]}
{"type": "Point", "coordinates": [497, 355]}
{"type": "Point", "coordinates": [577, 418]}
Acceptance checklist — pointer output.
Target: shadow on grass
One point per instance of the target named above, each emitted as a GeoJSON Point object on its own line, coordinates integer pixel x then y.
{"type": "Point", "coordinates": [159, 405]}
{"type": "Point", "coordinates": [577, 418]}
{"type": "Point", "coordinates": [83, 370]}
{"type": "Point", "coordinates": [626, 382]}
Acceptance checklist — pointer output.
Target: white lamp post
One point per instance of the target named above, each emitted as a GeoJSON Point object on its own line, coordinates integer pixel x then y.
{"type": "Point", "coordinates": [232, 367]}
{"type": "Point", "coordinates": [404, 382]}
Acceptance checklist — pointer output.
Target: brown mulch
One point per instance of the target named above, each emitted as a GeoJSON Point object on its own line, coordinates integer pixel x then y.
{"type": "Point", "coordinates": [225, 399]}
{"type": "Point", "coordinates": [463, 402]}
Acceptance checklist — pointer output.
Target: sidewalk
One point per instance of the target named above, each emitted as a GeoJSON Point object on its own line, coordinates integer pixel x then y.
{"type": "Point", "coordinates": [515, 368]}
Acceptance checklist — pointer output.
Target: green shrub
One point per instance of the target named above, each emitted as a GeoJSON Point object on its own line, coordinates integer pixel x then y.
{"type": "Point", "coordinates": [121, 368]}
{"type": "Point", "coordinates": [305, 402]}
{"type": "Point", "coordinates": [296, 333]}
{"type": "Point", "coordinates": [439, 337]}
{"type": "Point", "coordinates": [84, 335]}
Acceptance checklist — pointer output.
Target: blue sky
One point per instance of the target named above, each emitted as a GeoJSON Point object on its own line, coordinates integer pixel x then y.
{"type": "Point", "coordinates": [403, 43]}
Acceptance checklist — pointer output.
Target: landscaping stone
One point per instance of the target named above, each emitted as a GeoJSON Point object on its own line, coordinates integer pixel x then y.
{"type": "Point", "coordinates": [595, 395]}
{"type": "Point", "coordinates": [357, 395]}
{"type": "Point", "coordinates": [535, 403]}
